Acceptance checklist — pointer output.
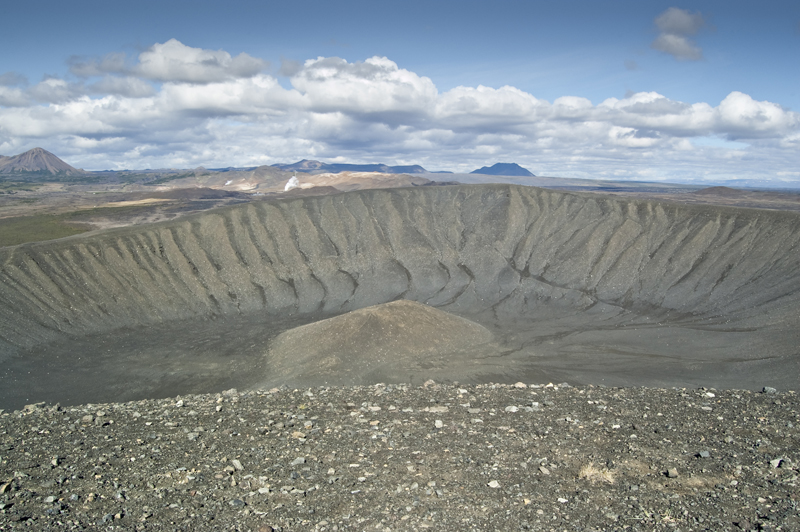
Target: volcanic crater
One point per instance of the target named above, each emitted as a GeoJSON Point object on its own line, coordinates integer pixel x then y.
{"type": "Point", "coordinates": [501, 283]}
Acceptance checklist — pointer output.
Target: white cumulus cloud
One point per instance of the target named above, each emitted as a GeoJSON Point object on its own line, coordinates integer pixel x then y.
{"type": "Point", "coordinates": [488, 108]}
{"type": "Point", "coordinates": [375, 86]}
{"type": "Point", "coordinates": [676, 26]}
{"type": "Point", "coordinates": [174, 61]}
{"type": "Point", "coordinates": [679, 22]}
{"type": "Point", "coordinates": [13, 97]}
{"type": "Point", "coordinates": [125, 86]}
{"type": "Point", "coordinates": [55, 90]}
{"type": "Point", "coordinates": [11, 79]}
{"type": "Point", "coordinates": [94, 66]}
{"type": "Point", "coordinates": [742, 117]}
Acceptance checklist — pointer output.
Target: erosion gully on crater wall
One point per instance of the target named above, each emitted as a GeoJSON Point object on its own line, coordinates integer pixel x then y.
{"type": "Point", "coordinates": [574, 287]}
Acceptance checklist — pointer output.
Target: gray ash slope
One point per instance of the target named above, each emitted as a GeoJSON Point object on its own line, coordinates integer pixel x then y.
{"type": "Point", "coordinates": [579, 288]}
{"type": "Point", "coordinates": [389, 458]}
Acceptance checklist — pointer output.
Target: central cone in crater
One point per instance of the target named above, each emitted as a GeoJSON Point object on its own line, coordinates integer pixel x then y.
{"type": "Point", "coordinates": [400, 341]}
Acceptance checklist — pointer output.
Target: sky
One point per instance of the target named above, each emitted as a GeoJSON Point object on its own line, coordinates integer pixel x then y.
{"type": "Point", "coordinates": [696, 92]}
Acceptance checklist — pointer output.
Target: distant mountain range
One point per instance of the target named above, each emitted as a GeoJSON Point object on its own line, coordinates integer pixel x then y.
{"type": "Point", "coordinates": [41, 161]}
{"type": "Point", "coordinates": [512, 169]}
{"type": "Point", "coordinates": [317, 167]}
{"type": "Point", "coordinates": [37, 160]}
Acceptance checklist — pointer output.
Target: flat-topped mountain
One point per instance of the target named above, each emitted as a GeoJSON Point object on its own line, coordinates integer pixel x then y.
{"type": "Point", "coordinates": [504, 169]}
{"type": "Point", "coordinates": [37, 160]}
{"type": "Point", "coordinates": [319, 167]}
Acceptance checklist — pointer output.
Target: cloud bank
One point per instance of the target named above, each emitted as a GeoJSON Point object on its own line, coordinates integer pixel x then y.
{"type": "Point", "coordinates": [178, 106]}
{"type": "Point", "coordinates": [172, 61]}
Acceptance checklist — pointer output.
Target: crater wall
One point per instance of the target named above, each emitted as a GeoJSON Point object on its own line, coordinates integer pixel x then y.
{"type": "Point", "coordinates": [464, 248]}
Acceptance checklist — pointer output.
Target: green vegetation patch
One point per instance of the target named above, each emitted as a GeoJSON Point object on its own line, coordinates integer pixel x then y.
{"type": "Point", "coordinates": [12, 187]}
{"type": "Point", "coordinates": [22, 229]}
{"type": "Point", "coordinates": [36, 178]}
{"type": "Point", "coordinates": [111, 212]}
{"type": "Point", "coordinates": [36, 228]}
{"type": "Point", "coordinates": [170, 177]}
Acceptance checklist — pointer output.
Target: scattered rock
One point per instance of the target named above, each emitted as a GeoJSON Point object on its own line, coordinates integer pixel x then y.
{"type": "Point", "coordinates": [369, 450]}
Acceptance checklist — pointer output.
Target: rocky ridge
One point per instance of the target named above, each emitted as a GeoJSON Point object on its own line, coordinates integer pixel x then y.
{"type": "Point", "coordinates": [396, 457]}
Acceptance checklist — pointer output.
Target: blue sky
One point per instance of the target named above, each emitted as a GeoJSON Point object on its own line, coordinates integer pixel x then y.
{"type": "Point", "coordinates": [694, 92]}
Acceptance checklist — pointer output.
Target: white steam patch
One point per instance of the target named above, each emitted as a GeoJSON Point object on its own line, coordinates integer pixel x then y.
{"type": "Point", "coordinates": [292, 183]}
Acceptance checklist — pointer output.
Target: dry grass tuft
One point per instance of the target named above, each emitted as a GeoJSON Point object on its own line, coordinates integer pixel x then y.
{"type": "Point", "coordinates": [594, 474]}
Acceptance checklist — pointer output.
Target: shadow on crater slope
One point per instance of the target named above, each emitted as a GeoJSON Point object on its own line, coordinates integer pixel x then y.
{"type": "Point", "coordinates": [573, 287]}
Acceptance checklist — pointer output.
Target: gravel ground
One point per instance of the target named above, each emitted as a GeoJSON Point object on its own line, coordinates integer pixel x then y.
{"type": "Point", "coordinates": [393, 457]}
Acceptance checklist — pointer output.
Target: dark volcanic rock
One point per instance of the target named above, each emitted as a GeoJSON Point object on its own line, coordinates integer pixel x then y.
{"type": "Point", "coordinates": [458, 457]}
